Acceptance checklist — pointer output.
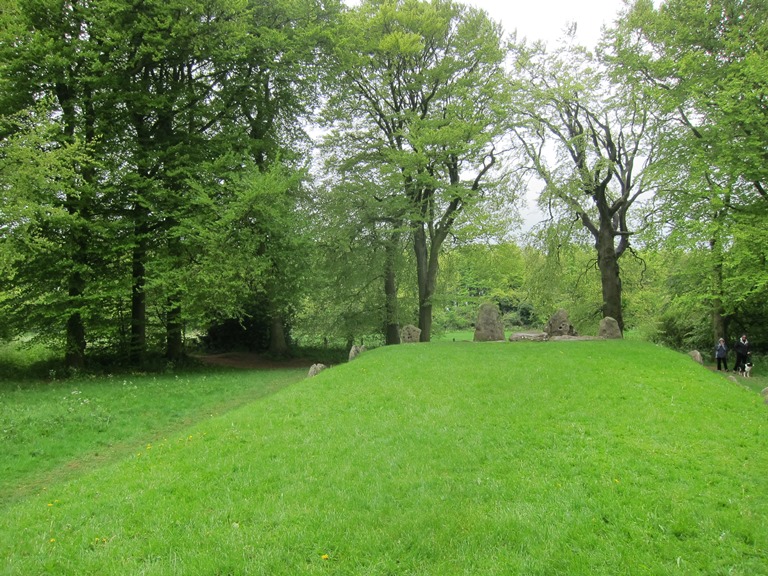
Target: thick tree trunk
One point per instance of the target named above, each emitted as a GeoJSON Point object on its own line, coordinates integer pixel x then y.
{"type": "Point", "coordinates": [278, 346]}
{"type": "Point", "coordinates": [608, 263]}
{"type": "Point", "coordinates": [719, 321]}
{"type": "Point", "coordinates": [140, 216]}
{"type": "Point", "coordinates": [719, 327]}
{"type": "Point", "coordinates": [391, 321]}
{"type": "Point", "coordinates": [427, 268]}
{"type": "Point", "coordinates": [77, 205]}
{"type": "Point", "coordinates": [74, 355]}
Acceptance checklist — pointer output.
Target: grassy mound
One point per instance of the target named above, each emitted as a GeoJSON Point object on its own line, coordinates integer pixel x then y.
{"type": "Point", "coordinates": [447, 458]}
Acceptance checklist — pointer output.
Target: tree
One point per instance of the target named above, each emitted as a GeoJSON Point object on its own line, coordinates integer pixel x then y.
{"type": "Point", "coordinates": [422, 94]}
{"type": "Point", "coordinates": [708, 62]}
{"type": "Point", "coordinates": [705, 64]}
{"type": "Point", "coordinates": [274, 83]}
{"type": "Point", "coordinates": [174, 108]}
{"type": "Point", "coordinates": [47, 56]}
{"type": "Point", "coordinates": [589, 142]}
{"type": "Point", "coordinates": [33, 264]}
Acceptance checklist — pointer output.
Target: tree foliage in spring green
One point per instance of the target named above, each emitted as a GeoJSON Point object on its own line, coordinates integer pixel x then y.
{"type": "Point", "coordinates": [421, 101]}
{"type": "Point", "coordinates": [185, 118]}
{"type": "Point", "coordinates": [36, 175]}
{"type": "Point", "coordinates": [708, 62]}
{"type": "Point", "coordinates": [706, 65]}
{"type": "Point", "coordinates": [589, 141]}
{"type": "Point", "coordinates": [357, 287]}
{"type": "Point", "coordinates": [477, 273]}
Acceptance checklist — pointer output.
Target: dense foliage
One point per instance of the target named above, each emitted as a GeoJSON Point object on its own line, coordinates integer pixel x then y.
{"type": "Point", "coordinates": [159, 185]}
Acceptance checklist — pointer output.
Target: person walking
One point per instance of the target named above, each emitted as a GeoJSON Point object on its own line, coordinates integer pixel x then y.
{"type": "Point", "coordinates": [742, 353]}
{"type": "Point", "coordinates": [721, 354]}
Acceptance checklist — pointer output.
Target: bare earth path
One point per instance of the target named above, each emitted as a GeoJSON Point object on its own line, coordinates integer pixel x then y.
{"type": "Point", "coordinates": [251, 361]}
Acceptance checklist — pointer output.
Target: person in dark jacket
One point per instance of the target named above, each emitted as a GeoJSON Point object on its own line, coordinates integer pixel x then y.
{"type": "Point", "coordinates": [721, 354]}
{"type": "Point", "coordinates": [742, 353]}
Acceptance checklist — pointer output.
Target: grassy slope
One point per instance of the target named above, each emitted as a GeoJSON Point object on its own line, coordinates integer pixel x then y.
{"type": "Point", "coordinates": [449, 458]}
{"type": "Point", "coordinates": [50, 431]}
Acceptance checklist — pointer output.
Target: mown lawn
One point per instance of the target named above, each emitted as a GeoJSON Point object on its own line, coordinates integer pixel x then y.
{"type": "Point", "coordinates": [577, 458]}
{"type": "Point", "coordinates": [51, 431]}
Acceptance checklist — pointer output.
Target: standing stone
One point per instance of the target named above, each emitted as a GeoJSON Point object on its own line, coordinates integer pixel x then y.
{"type": "Point", "coordinates": [355, 351]}
{"type": "Point", "coordinates": [560, 325]}
{"type": "Point", "coordinates": [315, 369]}
{"type": "Point", "coordinates": [489, 327]}
{"type": "Point", "coordinates": [410, 334]}
{"type": "Point", "coordinates": [696, 356]}
{"type": "Point", "coordinates": [609, 329]}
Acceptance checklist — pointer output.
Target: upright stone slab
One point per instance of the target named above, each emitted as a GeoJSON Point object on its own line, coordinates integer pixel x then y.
{"type": "Point", "coordinates": [489, 327]}
{"type": "Point", "coordinates": [355, 351]}
{"type": "Point", "coordinates": [609, 329]}
{"type": "Point", "coordinates": [315, 369]}
{"type": "Point", "coordinates": [410, 334]}
{"type": "Point", "coordinates": [560, 325]}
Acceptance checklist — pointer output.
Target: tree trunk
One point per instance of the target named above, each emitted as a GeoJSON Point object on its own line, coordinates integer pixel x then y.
{"type": "Point", "coordinates": [391, 321]}
{"type": "Point", "coordinates": [138, 344]}
{"type": "Point", "coordinates": [610, 280]}
{"type": "Point", "coordinates": [278, 346]}
{"type": "Point", "coordinates": [719, 321]}
{"type": "Point", "coordinates": [74, 356]}
{"type": "Point", "coordinates": [718, 310]}
{"type": "Point", "coordinates": [77, 207]}
{"type": "Point", "coordinates": [174, 349]}
{"type": "Point", "coordinates": [422, 277]}
{"type": "Point", "coordinates": [427, 268]}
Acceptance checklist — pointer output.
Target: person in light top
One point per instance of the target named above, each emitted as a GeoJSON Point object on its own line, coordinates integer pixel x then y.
{"type": "Point", "coordinates": [721, 354]}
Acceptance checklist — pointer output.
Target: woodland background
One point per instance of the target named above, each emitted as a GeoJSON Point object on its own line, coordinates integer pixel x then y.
{"type": "Point", "coordinates": [244, 174]}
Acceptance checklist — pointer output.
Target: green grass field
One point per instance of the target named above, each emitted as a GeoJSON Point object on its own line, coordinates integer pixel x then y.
{"type": "Point", "coordinates": [559, 458]}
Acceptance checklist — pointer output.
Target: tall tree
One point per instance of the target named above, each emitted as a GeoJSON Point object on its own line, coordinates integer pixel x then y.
{"type": "Point", "coordinates": [46, 54]}
{"type": "Point", "coordinates": [706, 64]}
{"type": "Point", "coordinates": [362, 235]}
{"type": "Point", "coordinates": [168, 60]}
{"type": "Point", "coordinates": [179, 106]}
{"type": "Point", "coordinates": [708, 61]}
{"type": "Point", "coordinates": [589, 142]}
{"type": "Point", "coordinates": [423, 92]}
{"type": "Point", "coordinates": [275, 85]}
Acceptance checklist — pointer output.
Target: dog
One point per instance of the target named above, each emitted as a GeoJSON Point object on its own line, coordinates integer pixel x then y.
{"type": "Point", "coordinates": [747, 373]}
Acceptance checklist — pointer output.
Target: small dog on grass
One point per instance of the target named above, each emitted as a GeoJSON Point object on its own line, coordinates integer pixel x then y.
{"type": "Point", "coordinates": [747, 373]}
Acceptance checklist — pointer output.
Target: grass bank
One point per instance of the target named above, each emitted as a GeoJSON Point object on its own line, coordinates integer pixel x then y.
{"type": "Point", "coordinates": [577, 458]}
{"type": "Point", "coordinates": [52, 431]}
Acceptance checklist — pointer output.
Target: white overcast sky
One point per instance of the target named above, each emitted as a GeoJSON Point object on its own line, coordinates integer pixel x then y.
{"type": "Point", "coordinates": [546, 19]}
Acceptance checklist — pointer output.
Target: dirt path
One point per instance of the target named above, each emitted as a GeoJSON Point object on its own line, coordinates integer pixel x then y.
{"type": "Point", "coordinates": [251, 361]}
